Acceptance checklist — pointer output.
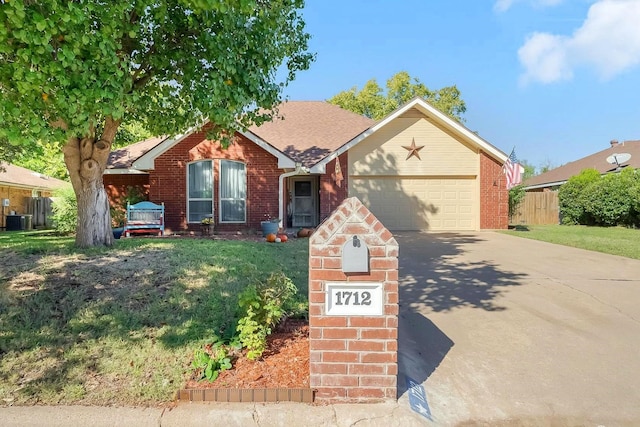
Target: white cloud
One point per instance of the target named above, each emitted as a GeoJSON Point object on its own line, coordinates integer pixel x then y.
{"type": "Point", "coordinates": [608, 41]}
{"type": "Point", "coordinates": [504, 5]}
{"type": "Point", "coordinates": [544, 57]}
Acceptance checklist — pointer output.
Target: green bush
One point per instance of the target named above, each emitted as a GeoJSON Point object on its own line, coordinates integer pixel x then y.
{"type": "Point", "coordinates": [571, 197]}
{"type": "Point", "coordinates": [634, 194]}
{"type": "Point", "coordinates": [211, 364]}
{"type": "Point", "coordinates": [260, 308]}
{"type": "Point", "coordinates": [264, 306]}
{"type": "Point", "coordinates": [608, 200]}
{"type": "Point", "coordinates": [65, 210]}
{"type": "Point", "coordinates": [516, 196]}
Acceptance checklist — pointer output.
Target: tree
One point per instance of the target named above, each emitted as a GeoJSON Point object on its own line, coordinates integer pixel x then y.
{"type": "Point", "coordinates": [43, 157]}
{"type": "Point", "coordinates": [8, 153]}
{"type": "Point", "coordinates": [529, 169]}
{"type": "Point", "coordinates": [74, 71]}
{"type": "Point", "coordinates": [373, 102]}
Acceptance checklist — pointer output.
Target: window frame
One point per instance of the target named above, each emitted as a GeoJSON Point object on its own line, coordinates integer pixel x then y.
{"type": "Point", "coordinates": [220, 199]}
{"type": "Point", "coordinates": [213, 191]}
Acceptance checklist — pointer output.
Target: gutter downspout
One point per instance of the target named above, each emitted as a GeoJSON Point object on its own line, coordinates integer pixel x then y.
{"type": "Point", "coordinates": [300, 170]}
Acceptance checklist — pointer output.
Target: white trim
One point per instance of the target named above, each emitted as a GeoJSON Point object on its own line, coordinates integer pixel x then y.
{"type": "Point", "coordinates": [284, 161]}
{"type": "Point", "coordinates": [300, 170]}
{"type": "Point", "coordinates": [147, 160]}
{"type": "Point", "coordinates": [428, 110]}
{"type": "Point", "coordinates": [124, 172]}
{"type": "Point", "coordinates": [31, 187]}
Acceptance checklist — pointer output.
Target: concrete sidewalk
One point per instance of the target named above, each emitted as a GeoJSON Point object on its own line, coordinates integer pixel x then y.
{"type": "Point", "coordinates": [214, 414]}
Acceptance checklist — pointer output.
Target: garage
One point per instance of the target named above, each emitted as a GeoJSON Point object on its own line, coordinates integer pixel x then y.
{"type": "Point", "coordinates": [420, 203]}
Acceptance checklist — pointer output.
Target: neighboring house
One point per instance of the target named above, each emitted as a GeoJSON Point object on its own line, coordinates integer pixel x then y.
{"type": "Point", "coordinates": [416, 169]}
{"type": "Point", "coordinates": [554, 178]}
{"type": "Point", "coordinates": [19, 185]}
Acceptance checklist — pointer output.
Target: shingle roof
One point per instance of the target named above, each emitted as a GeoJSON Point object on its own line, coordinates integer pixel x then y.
{"type": "Point", "coordinates": [18, 176]}
{"type": "Point", "coordinates": [308, 131]}
{"type": "Point", "coordinates": [123, 158]}
{"type": "Point", "coordinates": [597, 161]}
{"type": "Point", "coordinates": [305, 131]}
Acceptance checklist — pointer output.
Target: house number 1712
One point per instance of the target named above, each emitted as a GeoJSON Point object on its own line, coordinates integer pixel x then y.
{"type": "Point", "coordinates": [353, 298]}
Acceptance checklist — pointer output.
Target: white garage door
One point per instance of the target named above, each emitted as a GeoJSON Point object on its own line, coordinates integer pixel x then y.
{"type": "Point", "coordinates": [419, 203]}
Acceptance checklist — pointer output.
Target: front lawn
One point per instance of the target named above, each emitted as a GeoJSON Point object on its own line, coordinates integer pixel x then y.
{"type": "Point", "coordinates": [120, 325]}
{"type": "Point", "coordinates": [611, 240]}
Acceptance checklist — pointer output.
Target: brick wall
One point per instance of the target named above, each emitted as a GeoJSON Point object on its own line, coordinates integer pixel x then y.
{"type": "Point", "coordinates": [332, 194]}
{"type": "Point", "coordinates": [117, 186]}
{"type": "Point", "coordinates": [353, 358]}
{"type": "Point", "coordinates": [168, 182]}
{"type": "Point", "coordinates": [494, 197]}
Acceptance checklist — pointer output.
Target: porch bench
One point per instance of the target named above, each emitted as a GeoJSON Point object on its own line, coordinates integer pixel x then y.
{"type": "Point", "coordinates": [144, 217]}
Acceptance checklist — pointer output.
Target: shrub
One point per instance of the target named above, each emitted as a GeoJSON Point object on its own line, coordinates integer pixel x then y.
{"type": "Point", "coordinates": [264, 305]}
{"type": "Point", "coordinates": [211, 363]}
{"type": "Point", "coordinates": [65, 210]}
{"type": "Point", "coordinates": [634, 194]}
{"type": "Point", "coordinates": [608, 200]}
{"type": "Point", "coordinates": [516, 196]}
{"type": "Point", "coordinates": [571, 197]}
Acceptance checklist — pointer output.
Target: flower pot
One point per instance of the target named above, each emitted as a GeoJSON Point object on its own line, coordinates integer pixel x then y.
{"type": "Point", "coordinates": [117, 232]}
{"type": "Point", "coordinates": [269, 227]}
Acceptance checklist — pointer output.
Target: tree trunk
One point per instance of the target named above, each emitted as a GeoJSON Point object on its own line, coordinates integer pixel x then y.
{"type": "Point", "coordinates": [86, 160]}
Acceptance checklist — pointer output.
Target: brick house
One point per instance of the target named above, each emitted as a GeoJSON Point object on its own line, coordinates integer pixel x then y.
{"type": "Point", "coordinates": [18, 186]}
{"type": "Point", "coordinates": [416, 169]}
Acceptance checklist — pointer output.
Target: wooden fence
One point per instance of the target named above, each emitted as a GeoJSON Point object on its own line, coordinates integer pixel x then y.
{"type": "Point", "coordinates": [537, 208]}
{"type": "Point", "coordinates": [40, 208]}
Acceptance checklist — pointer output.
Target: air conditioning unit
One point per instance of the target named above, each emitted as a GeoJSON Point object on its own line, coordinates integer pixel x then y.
{"type": "Point", "coordinates": [5, 203]}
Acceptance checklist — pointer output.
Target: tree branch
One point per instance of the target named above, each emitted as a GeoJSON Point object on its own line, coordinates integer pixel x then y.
{"type": "Point", "coordinates": [71, 151]}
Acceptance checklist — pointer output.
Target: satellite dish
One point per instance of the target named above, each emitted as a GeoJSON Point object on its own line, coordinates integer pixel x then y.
{"type": "Point", "coordinates": [618, 159]}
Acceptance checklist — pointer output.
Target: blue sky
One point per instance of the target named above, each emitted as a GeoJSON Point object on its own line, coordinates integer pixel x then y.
{"type": "Point", "coordinates": [557, 79]}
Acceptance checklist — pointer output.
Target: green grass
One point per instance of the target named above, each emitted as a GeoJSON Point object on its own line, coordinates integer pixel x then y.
{"type": "Point", "coordinates": [120, 325]}
{"type": "Point", "coordinates": [610, 240]}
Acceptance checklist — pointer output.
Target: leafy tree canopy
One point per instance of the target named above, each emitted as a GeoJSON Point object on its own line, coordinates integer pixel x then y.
{"type": "Point", "coordinates": [374, 102]}
{"type": "Point", "coordinates": [169, 63]}
{"type": "Point", "coordinates": [75, 70]}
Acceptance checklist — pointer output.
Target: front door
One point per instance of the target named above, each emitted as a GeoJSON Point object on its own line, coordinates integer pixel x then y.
{"type": "Point", "coordinates": [304, 201]}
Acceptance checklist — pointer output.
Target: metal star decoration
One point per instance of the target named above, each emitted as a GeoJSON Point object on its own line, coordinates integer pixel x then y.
{"type": "Point", "coordinates": [413, 150]}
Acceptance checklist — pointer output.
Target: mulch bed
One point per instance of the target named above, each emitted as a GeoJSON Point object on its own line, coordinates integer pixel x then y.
{"type": "Point", "coordinates": [284, 364]}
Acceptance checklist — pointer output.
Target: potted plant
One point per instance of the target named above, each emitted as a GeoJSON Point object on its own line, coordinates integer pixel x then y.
{"type": "Point", "coordinates": [207, 225]}
{"type": "Point", "coordinates": [270, 225]}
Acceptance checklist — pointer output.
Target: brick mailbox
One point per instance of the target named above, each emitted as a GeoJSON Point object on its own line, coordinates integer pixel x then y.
{"type": "Point", "coordinates": [353, 307]}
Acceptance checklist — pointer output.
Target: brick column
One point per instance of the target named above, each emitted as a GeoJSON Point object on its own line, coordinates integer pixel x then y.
{"type": "Point", "coordinates": [353, 358]}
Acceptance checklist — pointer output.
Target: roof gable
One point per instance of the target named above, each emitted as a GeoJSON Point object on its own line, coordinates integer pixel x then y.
{"type": "Point", "coordinates": [419, 105]}
{"type": "Point", "coordinates": [596, 161]}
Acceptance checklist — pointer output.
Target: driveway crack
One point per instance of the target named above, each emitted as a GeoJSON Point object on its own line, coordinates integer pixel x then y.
{"type": "Point", "coordinates": [597, 299]}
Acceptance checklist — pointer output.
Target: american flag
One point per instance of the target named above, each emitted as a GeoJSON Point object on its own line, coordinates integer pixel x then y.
{"type": "Point", "coordinates": [512, 170]}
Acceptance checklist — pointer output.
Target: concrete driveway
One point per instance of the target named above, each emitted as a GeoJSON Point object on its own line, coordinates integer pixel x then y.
{"type": "Point", "coordinates": [502, 330]}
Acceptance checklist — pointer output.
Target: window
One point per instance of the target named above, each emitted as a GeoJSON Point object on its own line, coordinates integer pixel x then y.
{"type": "Point", "coordinates": [199, 190]}
{"type": "Point", "coordinates": [233, 191]}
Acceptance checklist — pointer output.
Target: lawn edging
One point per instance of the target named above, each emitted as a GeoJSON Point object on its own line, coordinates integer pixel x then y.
{"type": "Point", "coordinates": [246, 395]}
